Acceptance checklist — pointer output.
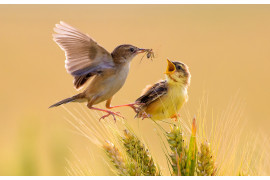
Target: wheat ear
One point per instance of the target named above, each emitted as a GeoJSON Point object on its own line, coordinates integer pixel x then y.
{"type": "Point", "coordinates": [137, 151]}
{"type": "Point", "coordinates": [179, 151]}
{"type": "Point", "coordinates": [206, 163]}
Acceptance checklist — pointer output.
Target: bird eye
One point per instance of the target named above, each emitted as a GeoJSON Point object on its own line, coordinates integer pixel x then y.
{"type": "Point", "coordinates": [131, 49]}
{"type": "Point", "coordinates": [179, 67]}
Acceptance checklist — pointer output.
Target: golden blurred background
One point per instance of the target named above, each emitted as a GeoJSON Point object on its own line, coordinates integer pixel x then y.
{"type": "Point", "coordinates": [227, 48]}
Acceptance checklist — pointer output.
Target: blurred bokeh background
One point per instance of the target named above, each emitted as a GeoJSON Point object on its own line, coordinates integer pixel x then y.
{"type": "Point", "coordinates": [227, 48]}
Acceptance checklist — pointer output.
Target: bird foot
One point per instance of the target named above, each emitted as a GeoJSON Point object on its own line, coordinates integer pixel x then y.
{"type": "Point", "coordinates": [113, 114]}
{"type": "Point", "coordinates": [175, 117]}
{"type": "Point", "coordinates": [136, 109]}
{"type": "Point", "coordinates": [145, 115]}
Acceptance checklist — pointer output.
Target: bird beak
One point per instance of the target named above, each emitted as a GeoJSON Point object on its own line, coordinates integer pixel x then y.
{"type": "Point", "coordinates": [170, 67]}
{"type": "Point", "coordinates": [141, 50]}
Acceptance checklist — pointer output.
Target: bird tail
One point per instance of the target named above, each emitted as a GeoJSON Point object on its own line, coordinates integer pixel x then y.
{"type": "Point", "coordinates": [68, 100]}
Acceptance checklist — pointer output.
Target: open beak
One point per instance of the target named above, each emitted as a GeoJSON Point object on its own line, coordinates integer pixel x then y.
{"type": "Point", "coordinates": [170, 67]}
{"type": "Point", "coordinates": [141, 50]}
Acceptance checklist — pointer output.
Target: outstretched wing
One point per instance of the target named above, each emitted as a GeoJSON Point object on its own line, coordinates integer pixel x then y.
{"type": "Point", "coordinates": [153, 93]}
{"type": "Point", "coordinates": [84, 57]}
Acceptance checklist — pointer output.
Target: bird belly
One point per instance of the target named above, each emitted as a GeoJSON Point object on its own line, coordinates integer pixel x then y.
{"type": "Point", "coordinates": [109, 91]}
{"type": "Point", "coordinates": [167, 105]}
{"type": "Point", "coordinates": [105, 87]}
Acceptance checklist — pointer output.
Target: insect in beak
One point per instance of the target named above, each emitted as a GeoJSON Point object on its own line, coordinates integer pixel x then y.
{"type": "Point", "coordinates": [149, 53]}
{"type": "Point", "coordinates": [170, 67]}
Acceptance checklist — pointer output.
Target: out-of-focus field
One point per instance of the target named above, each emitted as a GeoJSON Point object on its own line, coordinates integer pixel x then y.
{"type": "Point", "coordinates": [227, 48]}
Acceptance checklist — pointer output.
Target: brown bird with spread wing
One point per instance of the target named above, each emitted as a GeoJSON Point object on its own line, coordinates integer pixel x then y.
{"type": "Point", "coordinates": [85, 59]}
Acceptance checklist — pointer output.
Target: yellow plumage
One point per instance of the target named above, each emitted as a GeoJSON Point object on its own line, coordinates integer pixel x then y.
{"type": "Point", "coordinates": [168, 105]}
{"type": "Point", "coordinates": [164, 99]}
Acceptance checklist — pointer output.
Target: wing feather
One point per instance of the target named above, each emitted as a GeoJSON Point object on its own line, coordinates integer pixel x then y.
{"type": "Point", "coordinates": [84, 57]}
{"type": "Point", "coordinates": [156, 91]}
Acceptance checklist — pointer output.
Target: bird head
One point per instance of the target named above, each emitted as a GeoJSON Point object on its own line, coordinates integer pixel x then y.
{"type": "Point", "coordinates": [177, 72]}
{"type": "Point", "coordinates": [125, 53]}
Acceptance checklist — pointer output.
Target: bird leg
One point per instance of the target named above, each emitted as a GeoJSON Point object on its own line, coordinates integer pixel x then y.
{"type": "Point", "coordinates": [132, 105]}
{"type": "Point", "coordinates": [108, 113]}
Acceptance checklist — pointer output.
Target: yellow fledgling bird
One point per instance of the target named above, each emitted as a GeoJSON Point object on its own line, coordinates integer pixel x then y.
{"type": "Point", "coordinates": [85, 59]}
{"type": "Point", "coordinates": [164, 99]}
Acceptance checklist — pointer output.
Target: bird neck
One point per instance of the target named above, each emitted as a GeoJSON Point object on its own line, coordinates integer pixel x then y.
{"type": "Point", "coordinates": [180, 83]}
{"type": "Point", "coordinates": [120, 59]}
{"type": "Point", "coordinates": [123, 65]}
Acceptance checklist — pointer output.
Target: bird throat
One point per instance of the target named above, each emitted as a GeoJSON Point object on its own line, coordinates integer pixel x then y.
{"type": "Point", "coordinates": [172, 78]}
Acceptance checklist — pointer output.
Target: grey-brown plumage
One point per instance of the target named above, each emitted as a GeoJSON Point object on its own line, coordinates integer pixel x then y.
{"type": "Point", "coordinates": [86, 59]}
{"type": "Point", "coordinates": [84, 56]}
{"type": "Point", "coordinates": [153, 93]}
{"type": "Point", "coordinates": [150, 95]}
{"type": "Point", "coordinates": [67, 100]}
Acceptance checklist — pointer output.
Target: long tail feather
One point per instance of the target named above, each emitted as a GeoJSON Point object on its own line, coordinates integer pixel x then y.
{"type": "Point", "coordinates": [67, 100]}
